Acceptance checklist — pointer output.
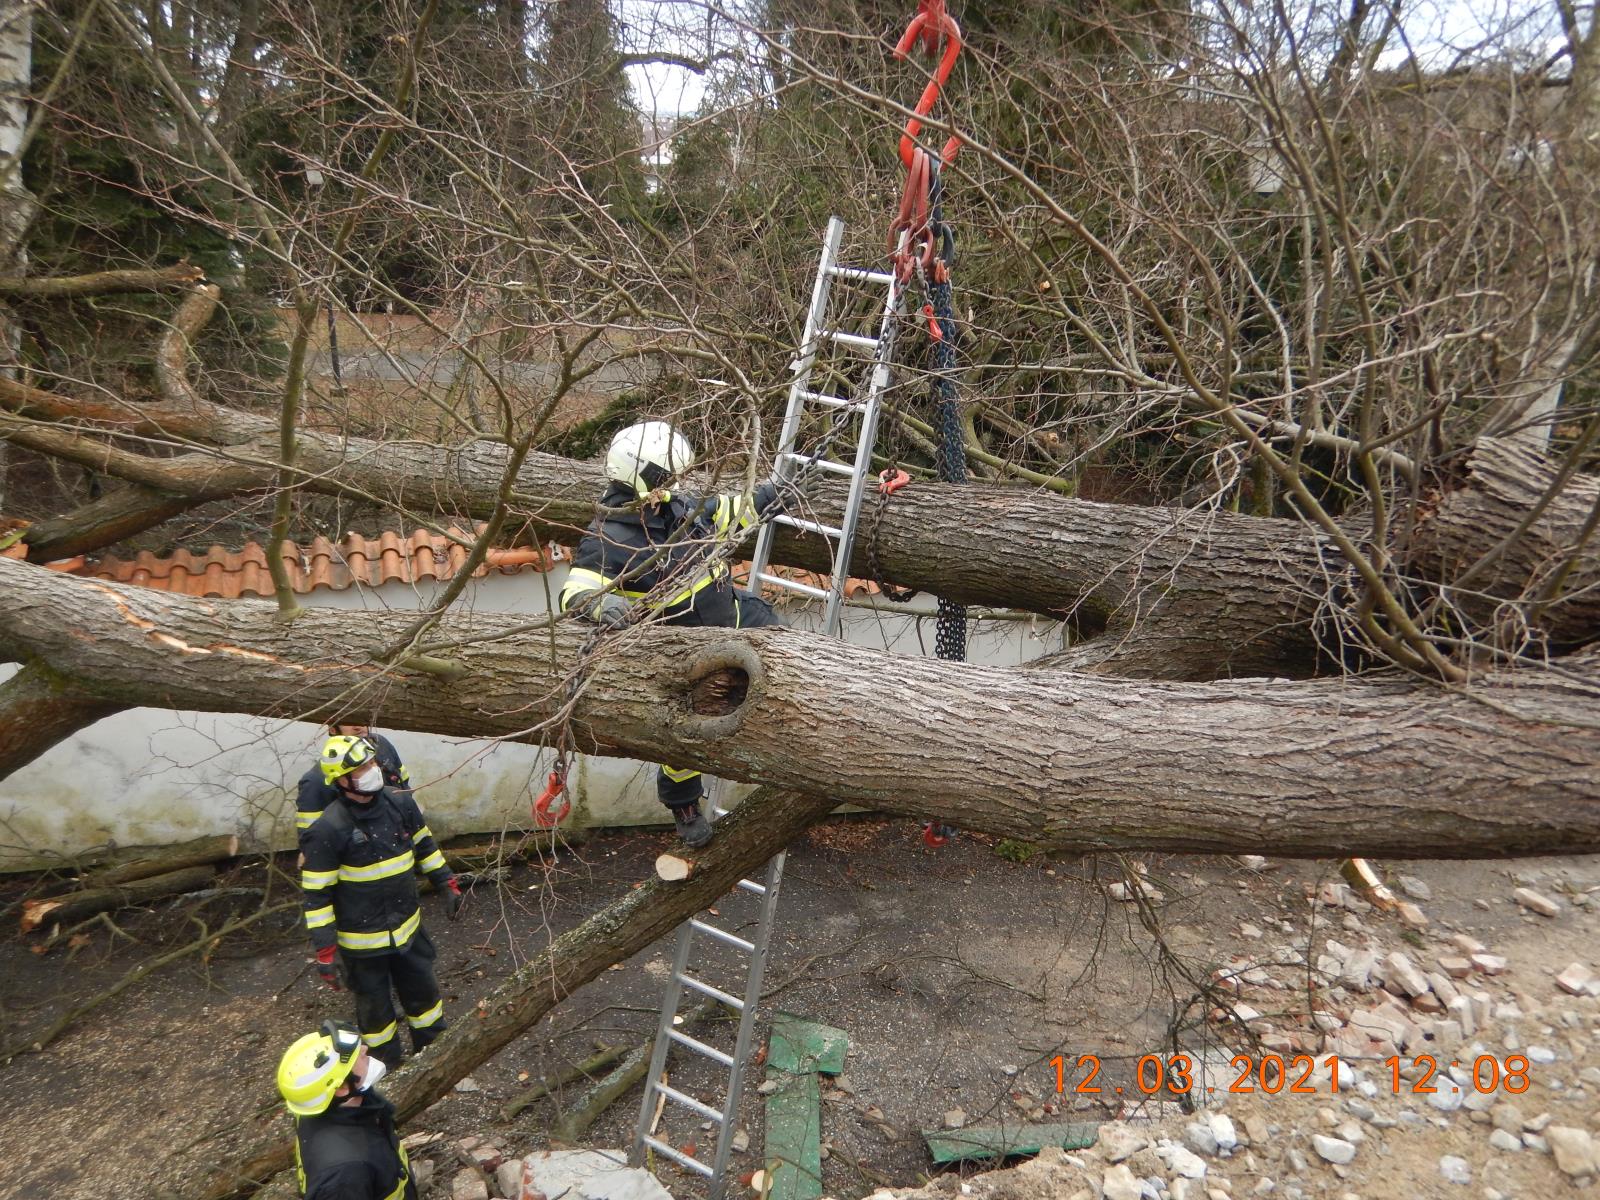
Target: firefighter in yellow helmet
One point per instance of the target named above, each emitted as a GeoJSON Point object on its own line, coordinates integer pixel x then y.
{"type": "Point", "coordinates": [345, 1144]}
{"type": "Point", "coordinates": [358, 880]}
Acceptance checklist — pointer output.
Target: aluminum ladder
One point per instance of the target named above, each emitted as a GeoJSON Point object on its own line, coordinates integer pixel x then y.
{"type": "Point", "coordinates": [874, 354]}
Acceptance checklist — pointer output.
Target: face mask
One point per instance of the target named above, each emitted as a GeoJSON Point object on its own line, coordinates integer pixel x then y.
{"type": "Point", "coordinates": [369, 781]}
{"type": "Point", "coordinates": [376, 1070]}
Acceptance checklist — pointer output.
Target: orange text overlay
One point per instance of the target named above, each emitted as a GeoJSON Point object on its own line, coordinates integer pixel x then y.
{"type": "Point", "coordinates": [1177, 1074]}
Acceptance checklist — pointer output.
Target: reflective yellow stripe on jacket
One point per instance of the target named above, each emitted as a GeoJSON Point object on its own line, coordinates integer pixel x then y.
{"type": "Point", "coordinates": [581, 579]}
{"type": "Point", "coordinates": [400, 864]}
{"type": "Point", "coordinates": [383, 938]}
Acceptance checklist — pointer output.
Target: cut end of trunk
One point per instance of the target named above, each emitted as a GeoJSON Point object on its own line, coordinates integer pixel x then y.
{"type": "Point", "coordinates": [672, 868]}
{"type": "Point", "coordinates": [35, 913]}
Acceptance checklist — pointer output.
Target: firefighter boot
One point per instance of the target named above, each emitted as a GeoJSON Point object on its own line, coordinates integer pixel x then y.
{"type": "Point", "coordinates": [693, 828]}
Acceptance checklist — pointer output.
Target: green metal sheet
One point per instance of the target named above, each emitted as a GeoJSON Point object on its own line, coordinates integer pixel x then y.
{"type": "Point", "coordinates": [794, 1136]}
{"type": "Point", "coordinates": [1001, 1141]}
{"type": "Point", "coordinates": [799, 1045]}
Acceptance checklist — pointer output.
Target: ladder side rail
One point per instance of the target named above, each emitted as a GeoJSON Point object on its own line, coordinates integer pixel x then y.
{"type": "Point", "coordinates": [800, 387]}
{"type": "Point", "coordinates": [670, 998]}
{"type": "Point", "coordinates": [747, 1021]}
{"type": "Point", "coordinates": [882, 371]}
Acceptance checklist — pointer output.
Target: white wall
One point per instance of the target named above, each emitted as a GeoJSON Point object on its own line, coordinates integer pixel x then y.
{"type": "Point", "coordinates": [150, 777]}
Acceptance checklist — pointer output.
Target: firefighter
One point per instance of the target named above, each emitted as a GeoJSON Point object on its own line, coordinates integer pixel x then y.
{"type": "Point", "coordinates": [360, 893]}
{"type": "Point", "coordinates": [314, 792]}
{"type": "Point", "coordinates": [646, 533]}
{"type": "Point", "coordinates": [345, 1145]}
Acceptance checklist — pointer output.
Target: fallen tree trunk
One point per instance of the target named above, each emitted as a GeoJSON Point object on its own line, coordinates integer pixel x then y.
{"type": "Point", "coordinates": [1378, 767]}
{"type": "Point", "coordinates": [199, 852]}
{"type": "Point", "coordinates": [78, 905]}
{"type": "Point", "coordinates": [38, 709]}
{"type": "Point", "coordinates": [1160, 592]}
{"type": "Point", "coordinates": [766, 822]}
{"type": "Point", "coordinates": [1515, 547]}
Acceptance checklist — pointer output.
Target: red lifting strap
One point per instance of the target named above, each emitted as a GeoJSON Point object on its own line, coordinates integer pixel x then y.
{"type": "Point", "coordinates": [555, 786]}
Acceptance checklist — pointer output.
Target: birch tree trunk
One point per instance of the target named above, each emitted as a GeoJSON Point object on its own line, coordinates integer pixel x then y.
{"type": "Point", "coordinates": [16, 202]}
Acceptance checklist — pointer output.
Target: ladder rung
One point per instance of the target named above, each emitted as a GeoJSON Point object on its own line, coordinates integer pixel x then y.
{"type": "Point", "coordinates": [715, 993]}
{"type": "Point", "coordinates": [861, 275]}
{"type": "Point", "coordinates": [828, 401]}
{"type": "Point", "coordinates": [809, 526]}
{"type": "Point", "coordinates": [683, 1039]}
{"type": "Point", "coordinates": [851, 339]}
{"type": "Point", "coordinates": [722, 935]}
{"type": "Point", "coordinates": [678, 1156]}
{"type": "Point", "coordinates": [688, 1101]}
{"type": "Point", "coordinates": [822, 464]}
{"type": "Point", "coordinates": [750, 885]}
{"type": "Point", "coordinates": [794, 585]}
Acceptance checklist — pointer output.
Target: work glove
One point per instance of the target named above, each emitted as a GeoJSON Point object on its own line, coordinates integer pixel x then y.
{"type": "Point", "coordinates": [608, 609]}
{"type": "Point", "coordinates": [454, 901]}
{"type": "Point", "coordinates": [328, 969]}
{"type": "Point", "coordinates": [770, 497]}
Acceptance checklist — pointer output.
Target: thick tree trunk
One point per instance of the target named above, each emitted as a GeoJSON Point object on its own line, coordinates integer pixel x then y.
{"type": "Point", "coordinates": [1373, 767]}
{"type": "Point", "coordinates": [39, 708]}
{"type": "Point", "coordinates": [1542, 577]}
{"type": "Point", "coordinates": [1162, 593]}
{"type": "Point", "coordinates": [766, 822]}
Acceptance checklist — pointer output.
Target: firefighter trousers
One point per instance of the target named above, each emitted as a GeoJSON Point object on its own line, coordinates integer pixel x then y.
{"type": "Point", "coordinates": [376, 979]}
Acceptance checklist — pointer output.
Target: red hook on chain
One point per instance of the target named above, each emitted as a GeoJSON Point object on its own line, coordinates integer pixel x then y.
{"type": "Point", "coordinates": [932, 26]}
{"type": "Point", "coordinates": [555, 786]}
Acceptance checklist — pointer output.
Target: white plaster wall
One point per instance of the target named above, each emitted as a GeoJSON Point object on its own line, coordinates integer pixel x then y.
{"type": "Point", "coordinates": [150, 777]}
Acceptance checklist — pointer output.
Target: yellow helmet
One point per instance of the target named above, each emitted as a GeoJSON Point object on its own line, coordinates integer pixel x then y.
{"type": "Point", "coordinates": [312, 1069]}
{"type": "Point", "coordinates": [342, 754]}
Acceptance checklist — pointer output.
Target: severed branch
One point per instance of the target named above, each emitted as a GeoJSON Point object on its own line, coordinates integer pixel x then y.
{"type": "Point", "coordinates": [201, 852]}
{"type": "Point", "coordinates": [99, 283]}
{"type": "Point", "coordinates": [598, 1061]}
{"type": "Point", "coordinates": [573, 1125]}
{"type": "Point", "coordinates": [33, 1044]}
{"type": "Point", "coordinates": [75, 906]}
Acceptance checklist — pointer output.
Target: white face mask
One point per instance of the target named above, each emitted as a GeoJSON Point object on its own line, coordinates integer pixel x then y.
{"type": "Point", "coordinates": [376, 1070]}
{"type": "Point", "coordinates": [369, 780]}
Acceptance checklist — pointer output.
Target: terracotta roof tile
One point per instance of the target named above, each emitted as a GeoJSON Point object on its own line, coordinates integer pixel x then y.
{"type": "Point", "coordinates": [353, 561]}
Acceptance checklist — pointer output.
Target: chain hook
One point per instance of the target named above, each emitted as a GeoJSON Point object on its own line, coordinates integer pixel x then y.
{"type": "Point", "coordinates": [555, 786]}
{"type": "Point", "coordinates": [932, 26]}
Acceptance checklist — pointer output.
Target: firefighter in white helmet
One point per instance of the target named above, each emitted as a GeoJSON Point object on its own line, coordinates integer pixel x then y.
{"type": "Point", "coordinates": [648, 531]}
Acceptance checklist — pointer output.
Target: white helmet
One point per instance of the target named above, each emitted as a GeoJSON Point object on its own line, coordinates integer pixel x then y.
{"type": "Point", "coordinates": [647, 455]}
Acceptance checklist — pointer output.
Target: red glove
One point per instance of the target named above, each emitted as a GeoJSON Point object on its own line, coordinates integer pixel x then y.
{"type": "Point", "coordinates": [326, 968]}
{"type": "Point", "coordinates": [453, 899]}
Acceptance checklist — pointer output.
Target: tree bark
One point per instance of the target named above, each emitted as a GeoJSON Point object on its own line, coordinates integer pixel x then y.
{"type": "Point", "coordinates": [766, 822]}
{"type": "Point", "coordinates": [1377, 767]}
{"type": "Point", "coordinates": [39, 708]}
{"type": "Point", "coordinates": [1160, 593]}
{"type": "Point", "coordinates": [1488, 514]}
{"type": "Point", "coordinates": [99, 283]}
{"type": "Point", "coordinates": [201, 852]}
